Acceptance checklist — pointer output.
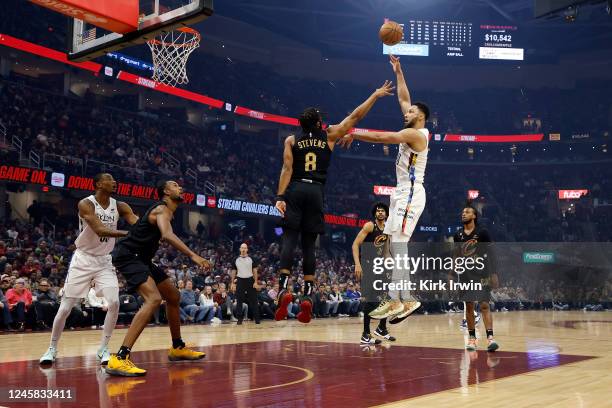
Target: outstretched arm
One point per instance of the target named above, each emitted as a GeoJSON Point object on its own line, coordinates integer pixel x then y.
{"type": "Point", "coordinates": [403, 95]}
{"type": "Point", "coordinates": [162, 218]}
{"type": "Point", "coordinates": [286, 172]}
{"type": "Point", "coordinates": [335, 132]}
{"type": "Point", "coordinates": [414, 138]}
{"type": "Point", "coordinates": [125, 211]}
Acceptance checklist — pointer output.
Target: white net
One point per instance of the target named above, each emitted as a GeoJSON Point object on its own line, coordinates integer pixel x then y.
{"type": "Point", "coordinates": [170, 53]}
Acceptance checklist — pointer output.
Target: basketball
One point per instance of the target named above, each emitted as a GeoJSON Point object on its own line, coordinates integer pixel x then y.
{"type": "Point", "coordinates": [391, 33]}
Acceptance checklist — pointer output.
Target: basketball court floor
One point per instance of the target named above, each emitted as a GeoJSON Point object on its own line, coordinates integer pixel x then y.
{"type": "Point", "coordinates": [552, 359]}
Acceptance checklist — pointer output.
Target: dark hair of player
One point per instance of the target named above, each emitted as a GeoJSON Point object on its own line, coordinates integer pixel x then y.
{"type": "Point", "coordinates": [380, 205]}
{"type": "Point", "coordinates": [310, 119]}
{"type": "Point", "coordinates": [423, 108]}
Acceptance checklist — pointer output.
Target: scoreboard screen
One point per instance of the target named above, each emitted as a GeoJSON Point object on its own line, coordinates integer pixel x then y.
{"type": "Point", "coordinates": [458, 40]}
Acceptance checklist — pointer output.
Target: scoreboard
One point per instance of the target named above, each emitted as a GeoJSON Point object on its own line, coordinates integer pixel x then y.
{"type": "Point", "coordinates": [458, 40]}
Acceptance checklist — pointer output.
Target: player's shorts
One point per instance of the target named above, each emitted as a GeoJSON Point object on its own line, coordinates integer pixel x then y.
{"type": "Point", "coordinates": [405, 209]}
{"type": "Point", "coordinates": [134, 269]}
{"type": "Point", "coordinates": [304, 207]}
{"type": "Point", "coordinates": [85, 269]}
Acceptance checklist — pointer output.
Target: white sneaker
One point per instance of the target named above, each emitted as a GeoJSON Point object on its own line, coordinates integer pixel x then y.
{"type": "Point", "coordinates": [49, 356]}
{"type": "Point", "coordinates": [103, 355]}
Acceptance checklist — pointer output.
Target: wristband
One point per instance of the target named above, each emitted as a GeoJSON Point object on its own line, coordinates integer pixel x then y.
{"type": "Point", "coordinates": [280, 197]}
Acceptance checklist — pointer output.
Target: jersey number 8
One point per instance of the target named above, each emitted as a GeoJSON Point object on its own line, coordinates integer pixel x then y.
{"type": "Point", "coordinates": [310, 163]}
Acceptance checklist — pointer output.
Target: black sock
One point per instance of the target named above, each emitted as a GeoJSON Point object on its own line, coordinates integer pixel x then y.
{"type": "Point", "coordinates": [178, 343]}
{"type": "Point", "coordinates": [123, 352]}
{"type": "Point", "coordinates": [382, 325]}
{"type": "Point", "coordinates": [489, 332]}
{"type": "Point", "coordinates": [472, 333]}
{"type": "Point", "coordinates": [365, 334]}
{"type": "Point", "coordinates": [283, 280]}
{"type": "Point", "coordinates": [308, 286]}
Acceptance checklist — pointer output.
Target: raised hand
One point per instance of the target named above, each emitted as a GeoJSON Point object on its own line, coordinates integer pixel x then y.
{"type": "Point", "coordinates": [345, 141]}
{"type": "Point", "coordinates": [395, 63]}
{"type": "Point", "coordinates": [385, 90]}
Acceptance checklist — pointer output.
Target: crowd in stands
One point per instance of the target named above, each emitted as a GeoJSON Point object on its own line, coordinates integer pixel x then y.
{"type": "Point", "coordinates": [34, 262]}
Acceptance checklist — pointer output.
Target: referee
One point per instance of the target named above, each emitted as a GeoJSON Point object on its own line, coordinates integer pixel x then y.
{"type": "Point", "coordinates": [244, 277]}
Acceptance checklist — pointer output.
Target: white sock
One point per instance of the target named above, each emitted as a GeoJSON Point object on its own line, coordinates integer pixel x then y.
{"type": "Point", "coordinates": [112, 298]}
{"type": "Point", "coordinates": [59, 321]}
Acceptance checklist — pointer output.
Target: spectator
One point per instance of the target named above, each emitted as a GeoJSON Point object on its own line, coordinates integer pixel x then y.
{"type": "Point", "coordinates": [4, 307]}
{"type": "Point", "coordinates": [45, 304]}
{"type": "Point", "coordinates": [210, 309]}
{"type": "Point", "coordinates": [221, 298]}
{"type": "Point", "coordinates": [20, 303]}
{"type": "Point", "coordinates": [188, 304]}
{"type": "Point", "coordinates": [98, 306]}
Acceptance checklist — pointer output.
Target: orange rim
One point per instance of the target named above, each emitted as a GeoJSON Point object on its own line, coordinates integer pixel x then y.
{"type": "Point", "coordinates": [188, 30]}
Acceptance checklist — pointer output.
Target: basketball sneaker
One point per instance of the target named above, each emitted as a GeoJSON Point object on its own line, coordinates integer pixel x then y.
{"type": "Point", "coordinates": [184, 353]}
{"type": "Point", "coordinates": [491, 344]}
{"type": "Point", "coordinates": [477, 317]}
{"type": "Point", "coordinates": [384, 334]}
{"type": "Point", "coordinates": [305, 313]}
{"type": "Point", "coordinates": [409, 308]}
{"type": "Point", "coordinates": [366, 339]}
{"type": "Point", "coordinates": [463, 324]}
{"type": "Point", "coordinates": [472, 344]}
{"type": "Point", "coordinates": [103, 355]}
{"type": "Point", "coordinates": [123, 367]}
{"type": "Point", "coordinates": [284, 299]}
{"type": "Point", "coordinates": [387, 309]}
{"type": "Point", "coordinates": [49, 356]}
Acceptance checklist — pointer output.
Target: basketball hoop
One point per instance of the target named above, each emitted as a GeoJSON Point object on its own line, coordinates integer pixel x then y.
{"type": "Point", "coordinates": [170, 53]}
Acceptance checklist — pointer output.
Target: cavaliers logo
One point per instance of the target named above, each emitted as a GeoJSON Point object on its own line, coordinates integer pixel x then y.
{"type": "Point", "coordinates": [380, 240]}
{"type": "Point", "coordinates": [469, 247]}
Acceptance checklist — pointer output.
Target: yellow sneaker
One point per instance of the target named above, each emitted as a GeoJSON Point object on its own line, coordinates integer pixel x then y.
{"type": "Point", "coordinates": [123, 367]}
{"type": "Point", "coordinates": [185, 353]}
{"type": "Point", "coordinates": [123, 387]}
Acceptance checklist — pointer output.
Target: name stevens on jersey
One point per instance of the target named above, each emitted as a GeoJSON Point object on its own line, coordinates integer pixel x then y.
{"type": "Point", "coordinates": [302, 144]}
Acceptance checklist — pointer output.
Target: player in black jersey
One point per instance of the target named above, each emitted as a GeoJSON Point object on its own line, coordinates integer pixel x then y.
{"type": "Point", "coordinates": [471, 235]}
{"type": "Point", "coordinates": [372, 233]}
{"type": "Point", "coordinates": [132, 257]}
{"type": "Point", "coordinates": [300, 194]}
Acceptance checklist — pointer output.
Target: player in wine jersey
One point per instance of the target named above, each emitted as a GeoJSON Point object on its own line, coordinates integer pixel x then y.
{"type": "Point", "coordinates": [408, 200]}
{"type": "Point", "coordinates": [472, 238]}
{"type": "Point", "coordinates": [133, 259]}
{"type": "Point", "coordinates": [372, 233]}
{"type": "Point", "coordinates": [92, 262]}
{"type": "Point", "coordinates": [306, 158]}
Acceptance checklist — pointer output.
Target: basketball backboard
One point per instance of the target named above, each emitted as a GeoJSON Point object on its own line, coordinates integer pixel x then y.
{"type": "Point", "coordinates": [87, 41]}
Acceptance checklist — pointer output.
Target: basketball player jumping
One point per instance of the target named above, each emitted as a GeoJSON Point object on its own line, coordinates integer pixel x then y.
{"type": "Point", "coordinates": [132, 257]}
{"type": "Point", "coordinates": [372, 233]}
{"type": "Point", "coordinates": [471, 235]}
{"type": "Point", "coordinates": [92, 262]}
{"type": "Point", "coordinates": [300, 194]}
{"type": "Point", "coordinates": [408, 200]}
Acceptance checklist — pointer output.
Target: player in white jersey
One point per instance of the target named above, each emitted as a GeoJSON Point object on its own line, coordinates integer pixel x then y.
{"type": "Point", "coordinates": [408, 200]}
{"type": "Point", "coordinates": [92, 262]}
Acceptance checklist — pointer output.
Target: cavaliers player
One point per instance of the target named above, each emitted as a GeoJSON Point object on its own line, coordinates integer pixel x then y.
{"type": "Point", "coordinates": [300, 194]}
{"type": "Point", "coordinates": [470, 236]}
{"type": "Point", "coordinates": [372, 233]}
{"type": "Point", "coordinates": [132, 258]}
{"type": "Point", "coordinates": [92, 262]}
{"type": "Point", "coordinates": [408, 200]}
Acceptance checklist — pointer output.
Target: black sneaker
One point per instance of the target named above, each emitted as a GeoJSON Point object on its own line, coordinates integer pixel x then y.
{"type": "Point", "coordinates": [366, 340]}
{"type": "Point", "coordinates": [239, 322]}
{"type": "Point", "coordinates": [384, 334]}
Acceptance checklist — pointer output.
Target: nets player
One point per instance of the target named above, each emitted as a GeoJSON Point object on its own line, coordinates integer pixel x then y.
{"type": "Point", "coordinates": [408, 200]}
{"type": "Point", "coordinates": [300, 194]}
{"type": "Point", "coordinates": [91, 262]}
{"type": "Point", "coordinates": [132, 258]}
{"type": "Point", "coordinates": [372, 233]}
{"type": "Point", "coordinates": [470, 236]}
